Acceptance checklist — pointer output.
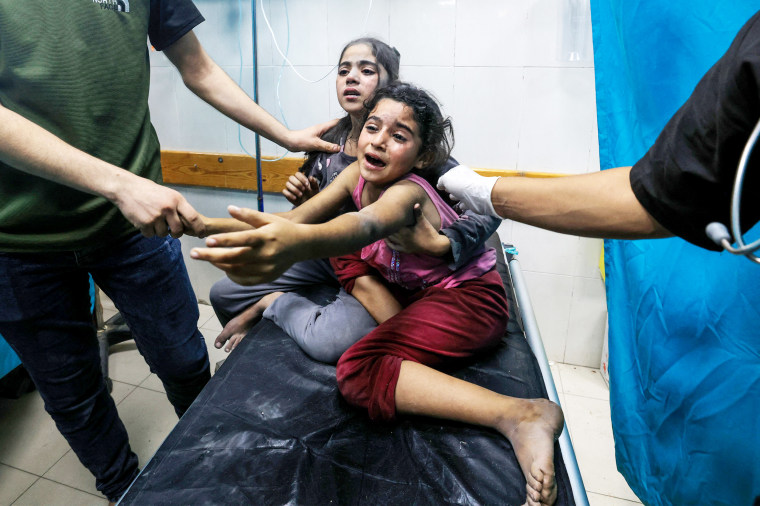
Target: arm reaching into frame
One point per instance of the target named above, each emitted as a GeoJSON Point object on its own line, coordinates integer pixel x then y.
{"type": "Point", "coordinates": [207, 80]}
{"type": "Point", "coordinates": [150, 207]}
{"type": "Point", "coordinates": [275, 243]}
{"type": "Point", "coordinates": [601, 204]}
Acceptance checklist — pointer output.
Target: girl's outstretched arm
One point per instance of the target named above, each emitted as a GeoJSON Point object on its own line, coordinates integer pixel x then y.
{"type": "Point", "coordinates": [275, 243]}
{"type": "Point", "coordinates": [323, 206]}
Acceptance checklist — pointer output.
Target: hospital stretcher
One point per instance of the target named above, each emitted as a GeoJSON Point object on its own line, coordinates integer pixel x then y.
{"type": "Point", "coordinates": [272, 428]}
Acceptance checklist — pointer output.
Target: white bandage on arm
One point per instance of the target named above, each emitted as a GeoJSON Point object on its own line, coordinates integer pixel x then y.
{"type": "Point", "coordinates": [472, 190]}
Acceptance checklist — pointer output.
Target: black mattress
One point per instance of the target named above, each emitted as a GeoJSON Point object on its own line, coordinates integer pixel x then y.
{"type": "Point", "coordinates": [272, 428]}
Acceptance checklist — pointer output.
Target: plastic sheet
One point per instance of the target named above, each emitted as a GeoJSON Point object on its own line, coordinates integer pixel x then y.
{"type": "Point", "coordinates": [272, 428]}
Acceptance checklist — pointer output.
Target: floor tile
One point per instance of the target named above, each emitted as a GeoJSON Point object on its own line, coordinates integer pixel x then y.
{"type": "Point", "coordinates": [125, 364]}
{"type": "Point", "coordinates": [214, 355]}
{"type": "Point", "coordinates": [69, 470]}
{"type": "Point", "coordinates": [554, 367]}
{"type": "Point", "coordinates": [120, 391]}
{"type": "Point", "coordinates": [54, 494]}
{"type": "Point", "coordinates": [562, 400]}
{"type": "Point", "coordinates": [148, 417]}
{"type": "Point", "coordinates": [588, 421]}
{"type": "Point", "coordinates": [13, 483]}
{"type": "Point", "coordinates": [106, 303]}
{"type": "Point", "coordinates": [583, 381]}
{"type": "Point", "coordinates": [29, 439]}
{"type": "Point", "coordinates": [605, 500]}
{"type": "Point", "coordinates": [153, 383]}
{"type": "Point", "coordinates": [206, 312]}
{"type": "Point", "coordinates": [108, 313]}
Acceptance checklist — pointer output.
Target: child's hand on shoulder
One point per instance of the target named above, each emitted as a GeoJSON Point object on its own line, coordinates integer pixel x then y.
{"type": "Point", "coordinates": [421, 238]}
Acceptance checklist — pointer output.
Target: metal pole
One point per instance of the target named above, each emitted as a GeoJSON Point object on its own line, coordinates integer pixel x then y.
{"type": "Point", "coordinates": [259, 183]}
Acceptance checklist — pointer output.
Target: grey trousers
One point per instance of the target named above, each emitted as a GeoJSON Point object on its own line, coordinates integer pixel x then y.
{"type": "Point", "coordinates": [324, 324]}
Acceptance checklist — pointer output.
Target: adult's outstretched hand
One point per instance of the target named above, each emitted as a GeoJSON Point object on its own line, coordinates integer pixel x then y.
{"type": "Point", "coordinates": [253, 256]}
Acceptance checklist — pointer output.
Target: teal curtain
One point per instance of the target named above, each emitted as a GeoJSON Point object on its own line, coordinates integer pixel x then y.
{"type": "Point", "coordinates": [684, 335]}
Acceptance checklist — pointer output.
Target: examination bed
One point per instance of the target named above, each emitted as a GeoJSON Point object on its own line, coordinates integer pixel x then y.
{"type": "Point", "coordinates": [272, 428]}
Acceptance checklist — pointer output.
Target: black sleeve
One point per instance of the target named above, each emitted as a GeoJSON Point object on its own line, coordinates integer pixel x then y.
{"type": "Point", "coordinates": [685, 181]}
{"type": "Point", "coordinates": [468, 234]}
{"type": "Point", "coordinates": [170, 20]}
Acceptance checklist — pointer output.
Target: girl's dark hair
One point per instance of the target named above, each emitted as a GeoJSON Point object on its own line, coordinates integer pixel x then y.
{"type": "Point", "coordinates": [388, 58]}
{"type": "Point", "coordinates": [435, 131]}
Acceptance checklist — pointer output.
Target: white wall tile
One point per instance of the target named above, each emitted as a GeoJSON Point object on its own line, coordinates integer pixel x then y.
{"type": "Point", "coordinates": [158, 59]}
{"type": "Point", "coordinates": [487, 111]}
{"type": "Point", "coordinates": [163, 105]}
{"type": "Point", "coordinates": [587, 258]}
{"type": "Point", "coordinates": [594, 165]}
{"type": "Point", "coordinates": [226, 32]}
{"type": "Point", "coordinates": [201, 126]}
{"type": "Point", "coordinates": [439, 81]}
{"type": "Point", "coordinates": [305, 25]}
{"type": "Point", "coordinates": [505, 232]}
{"type": "Point", "coordinates": [305, 103]}
{"type": "Point", "coordinates": [558, 34]}
{"type": "Point", "coordinates": [585, 331]}
{"type": "Point", "coordinates": [545, 251]}
{"type": "Point", "coordinates": [551, 296]}
{"type": "Point", "coordinates": [425, 32]}
{"type": "Point", "coordinates": [491, 33]}
{"type": "Point", "coordinates": [557, 120]}
{"type": "Point", "coordinates": [347, 21]}
{"type": "Point", "coordinates": [264, 46]}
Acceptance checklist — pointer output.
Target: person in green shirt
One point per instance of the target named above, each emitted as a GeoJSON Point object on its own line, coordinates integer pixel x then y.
{"type": "Point", "coordinates": [80, 194]}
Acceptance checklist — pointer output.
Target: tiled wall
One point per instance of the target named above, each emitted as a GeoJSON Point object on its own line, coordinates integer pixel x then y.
{"type": "Point", "coordinates": [517, 76]}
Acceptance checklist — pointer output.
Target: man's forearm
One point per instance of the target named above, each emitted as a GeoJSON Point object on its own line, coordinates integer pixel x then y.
{"type": "Point", "coordinates": [29, 148]}
{"type": "Point", "coordinates": [601, 204]}
{"type": "Point", "coordinates": [207, 80]}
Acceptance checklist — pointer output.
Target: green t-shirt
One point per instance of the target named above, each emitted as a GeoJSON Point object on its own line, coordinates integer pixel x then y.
{"type": "Point", "coordinates": [79, 69]}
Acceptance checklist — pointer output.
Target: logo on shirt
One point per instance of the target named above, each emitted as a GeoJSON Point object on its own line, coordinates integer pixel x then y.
{"type": "Point", "coordinates": [113, 5]}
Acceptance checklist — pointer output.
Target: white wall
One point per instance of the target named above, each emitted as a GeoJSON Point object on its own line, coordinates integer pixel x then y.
{"type": "Point", "coordinates": [516, 76]}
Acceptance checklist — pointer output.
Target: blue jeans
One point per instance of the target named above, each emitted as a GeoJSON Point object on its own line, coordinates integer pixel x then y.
{"type": "Point", "coordinates": [45, 317]}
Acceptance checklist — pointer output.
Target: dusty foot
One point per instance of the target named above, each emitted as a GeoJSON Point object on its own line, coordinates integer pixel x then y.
{"type": "Point", "coordinates": [238, 327]}
{"type": "Point", "coordinates": [532, 438]}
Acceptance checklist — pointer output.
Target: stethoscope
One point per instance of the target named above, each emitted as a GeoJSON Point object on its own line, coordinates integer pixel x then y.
{"type": "Point", "coordinates": [717, 231]}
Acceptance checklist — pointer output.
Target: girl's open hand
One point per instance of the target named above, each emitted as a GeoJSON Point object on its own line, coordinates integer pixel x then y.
{"type": "Point", "coordinates": [252, 256]}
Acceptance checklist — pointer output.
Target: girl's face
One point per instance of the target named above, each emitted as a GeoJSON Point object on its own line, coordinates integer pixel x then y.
{"type": "Point", "coordinates": [389, 144]}
{"type": "Point", "coordinates": [358, 77]}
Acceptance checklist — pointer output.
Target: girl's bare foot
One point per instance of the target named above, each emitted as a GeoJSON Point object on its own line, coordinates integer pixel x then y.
{"type": "Point", "coordinates": [238, 327]}
{"type": "Point", "coordinates": [532, 436]}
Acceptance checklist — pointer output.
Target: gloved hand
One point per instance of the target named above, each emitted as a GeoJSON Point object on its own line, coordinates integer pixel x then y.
{"type": "Point", "coordinates": [472, 190]}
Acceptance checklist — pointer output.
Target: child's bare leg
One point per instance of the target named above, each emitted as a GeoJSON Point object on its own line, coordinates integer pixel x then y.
{"type": "Point", "coordinates": [531, 425]}
{"type": "Point", "coordinates": [238, 327]}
